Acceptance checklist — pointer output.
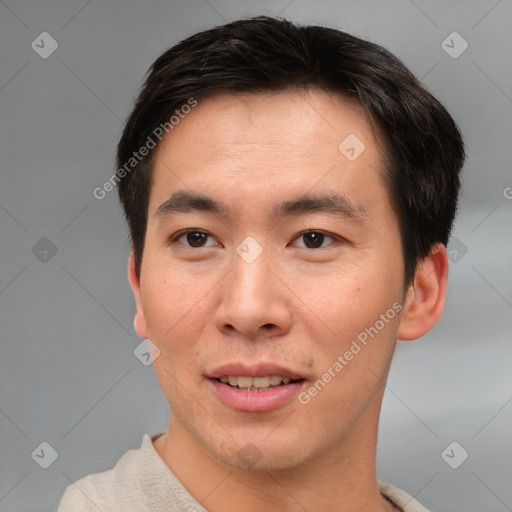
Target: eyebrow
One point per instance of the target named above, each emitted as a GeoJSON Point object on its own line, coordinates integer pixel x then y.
{"type": "Point", "coordinates": [185, 202]}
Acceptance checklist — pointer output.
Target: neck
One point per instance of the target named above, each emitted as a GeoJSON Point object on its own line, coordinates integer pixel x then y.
{"type": "Point", "coordinates": [342, 479]}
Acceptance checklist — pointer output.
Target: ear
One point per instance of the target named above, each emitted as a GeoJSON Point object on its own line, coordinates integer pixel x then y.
{"type": "Point", "coordinates": [425, 298]}
{"type": "Point", "coordinates": [140, 321]}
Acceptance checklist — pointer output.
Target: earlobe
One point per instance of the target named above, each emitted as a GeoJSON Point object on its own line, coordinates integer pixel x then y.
{"type": "Point", "coordinates": [139, 322]}
{"type": "Point", "coordinates": [425, 298]}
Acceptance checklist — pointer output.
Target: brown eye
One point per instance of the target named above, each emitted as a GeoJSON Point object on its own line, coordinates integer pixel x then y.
{"type": "Point", "coordinates": [196, 238]}
{"type": "Point", "coordinates": [193, 238]}
{"type": "Point", "coordinates": [313, 240]}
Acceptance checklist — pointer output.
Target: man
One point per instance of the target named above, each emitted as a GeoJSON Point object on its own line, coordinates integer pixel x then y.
{"type": "Point", "coordinates": [290, 192]}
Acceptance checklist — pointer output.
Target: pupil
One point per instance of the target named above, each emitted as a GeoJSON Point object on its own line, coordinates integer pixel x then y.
{"type": "Point", "coordinates": [196, 239]}
{"type": "Point", "coordinates": [316, 240]}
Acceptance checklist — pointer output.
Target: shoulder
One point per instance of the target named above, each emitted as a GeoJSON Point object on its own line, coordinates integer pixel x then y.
{"type": "Point", "coordinates": [400, 498]}
{"type": "Point", "coordinates": [110, 490]}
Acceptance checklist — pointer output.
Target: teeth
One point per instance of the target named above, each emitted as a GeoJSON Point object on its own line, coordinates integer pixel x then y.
{"type": "Point", "coordinates": [260, 382]}
{"type": "Point", "coordinates": [243, 382]}
{"type": "Point", "coordinates": [254, 382]}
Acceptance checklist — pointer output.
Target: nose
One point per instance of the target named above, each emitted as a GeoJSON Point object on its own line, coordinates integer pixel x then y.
{"type": "Point", "coordinates": [255, 303]}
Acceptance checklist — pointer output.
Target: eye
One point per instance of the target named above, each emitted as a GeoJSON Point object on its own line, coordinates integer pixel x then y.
{"type": "Point", "coordinates": [314, 239]}
{"type": "Point", "coordinates": [192, 238]}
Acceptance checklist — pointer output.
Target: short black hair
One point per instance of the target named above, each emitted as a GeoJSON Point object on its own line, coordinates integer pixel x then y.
{"type": "Point", "coordinates": [422, 145]}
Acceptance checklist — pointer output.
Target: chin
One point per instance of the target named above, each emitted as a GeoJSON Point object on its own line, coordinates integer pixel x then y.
{"type": "Point", "coordinates": [263, 454]}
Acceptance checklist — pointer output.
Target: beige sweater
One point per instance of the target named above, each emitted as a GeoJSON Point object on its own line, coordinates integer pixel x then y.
{"type": "Point", "coordinates": [142, 482]}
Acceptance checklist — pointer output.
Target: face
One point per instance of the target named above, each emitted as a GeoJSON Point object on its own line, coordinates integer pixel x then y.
{"type": "Point", "coordinates": [272, 261]}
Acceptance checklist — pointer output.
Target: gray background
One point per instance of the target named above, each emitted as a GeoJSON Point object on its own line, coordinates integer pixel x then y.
{"type": "Point", "coordinates": [68, 375]}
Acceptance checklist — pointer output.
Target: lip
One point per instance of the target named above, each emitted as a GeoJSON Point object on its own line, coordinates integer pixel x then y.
{"type": "Point", "coordinates": [254, 370]}
{"type": "Point", "coordinates": [255, 401]}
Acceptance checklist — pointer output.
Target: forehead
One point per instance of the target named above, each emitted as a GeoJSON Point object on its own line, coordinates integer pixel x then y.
{"type": "Point", "coordinates": [269, 144]}
{"type": "Point", "coordinates": [299, 120]}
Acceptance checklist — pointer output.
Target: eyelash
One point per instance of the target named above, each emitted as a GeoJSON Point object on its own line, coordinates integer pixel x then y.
{"type": "Point", "coordinates": [174, 238]}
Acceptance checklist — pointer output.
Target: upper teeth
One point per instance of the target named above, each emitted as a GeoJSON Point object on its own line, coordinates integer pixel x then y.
{"type": "Point", "coordinates": [254, 382]}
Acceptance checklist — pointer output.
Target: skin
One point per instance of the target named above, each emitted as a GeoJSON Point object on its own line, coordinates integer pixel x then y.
{"type": "Point", "coordinates": [296, 306]}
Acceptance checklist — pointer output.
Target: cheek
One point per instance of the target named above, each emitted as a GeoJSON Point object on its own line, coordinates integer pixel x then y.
{"type": "Point", "coordinates": [352, 368]}
{"type": "Point", "coordinates": [348, 309]}
{"type": "Point", "coordinates": [346, 301]}
{"type": "Point", "coordinates": [173, 308]}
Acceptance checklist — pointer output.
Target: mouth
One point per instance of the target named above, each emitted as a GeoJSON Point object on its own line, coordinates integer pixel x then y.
{"type": "Point", "coordinates": [258, 384]}
{"type": "Point", "coordinates": [255, 388]}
